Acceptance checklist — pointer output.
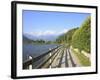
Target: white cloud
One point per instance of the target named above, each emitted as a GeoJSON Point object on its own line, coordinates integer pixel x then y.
{"type": "Point", "coordinates": [47, 32]}
{"type": "Point", "coordinates": [63, 31]}
{"type": "Point", "coordinates": [43, 33]}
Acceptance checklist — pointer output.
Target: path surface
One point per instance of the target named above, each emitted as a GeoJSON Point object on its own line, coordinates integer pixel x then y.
{"type": "Point", "coordinates": [66, 58]}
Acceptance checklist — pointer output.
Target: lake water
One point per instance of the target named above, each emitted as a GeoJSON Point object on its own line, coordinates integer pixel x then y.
{"type": "Point", "coordinates": [35, 50]}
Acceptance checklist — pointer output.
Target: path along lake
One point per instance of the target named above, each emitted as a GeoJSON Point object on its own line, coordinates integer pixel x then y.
{"type": "Point", "coordinates": [36, 50]}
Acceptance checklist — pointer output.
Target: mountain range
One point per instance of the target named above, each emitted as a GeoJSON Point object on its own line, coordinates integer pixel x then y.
{"type": "Point", "coordinates": [42, 37]}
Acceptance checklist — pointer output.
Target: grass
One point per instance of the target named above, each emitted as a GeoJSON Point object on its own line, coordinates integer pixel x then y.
{"type": "Point", "coordinates": [83, 59]}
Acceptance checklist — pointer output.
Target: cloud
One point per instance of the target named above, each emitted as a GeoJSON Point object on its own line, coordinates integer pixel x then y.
{"type": "Point", "coordinates": [43, 33]}
{"type": "Point", "coordinates": [63, 31]}
{"type": "Point", "coordinates": [47, 32]}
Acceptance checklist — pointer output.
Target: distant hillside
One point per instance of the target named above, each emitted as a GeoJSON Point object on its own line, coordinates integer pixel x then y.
{"type": "Point", "coordinates": [66, 37]}
{"type": "Point", "coordinates": [26, 40]}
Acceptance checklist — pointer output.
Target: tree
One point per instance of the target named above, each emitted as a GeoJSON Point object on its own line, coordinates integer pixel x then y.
{"type": "Point", "coordinates": [82, 37]}
{"type": "Point", "coordinates": [66, 37]}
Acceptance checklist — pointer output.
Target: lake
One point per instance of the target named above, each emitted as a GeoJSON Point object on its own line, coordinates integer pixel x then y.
{"type": "Point", "coordinates": [35, 50]}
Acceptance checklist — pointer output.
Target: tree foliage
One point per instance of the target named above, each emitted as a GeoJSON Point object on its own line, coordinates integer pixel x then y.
{"type": "Point", "coordinates": [67, 37]}
{"type": "Point", "coordinates": [82, 37]}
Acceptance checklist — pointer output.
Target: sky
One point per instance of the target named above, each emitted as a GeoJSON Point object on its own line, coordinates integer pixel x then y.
{"type": "Point", "coordinates": [39, 23]}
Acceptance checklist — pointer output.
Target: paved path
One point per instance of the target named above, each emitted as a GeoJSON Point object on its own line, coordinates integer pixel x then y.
{"type": "Point", "coordinates": [65, 58]}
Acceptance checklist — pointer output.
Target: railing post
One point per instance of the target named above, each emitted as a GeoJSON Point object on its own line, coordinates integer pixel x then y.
{"type": "Point", "coordinates": [50, 58]}
{"type": "Point", "coordinates": [30, 58]}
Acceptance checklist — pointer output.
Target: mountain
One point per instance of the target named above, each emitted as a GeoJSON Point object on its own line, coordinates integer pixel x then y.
{"type": "Point", "coordinates": [43, 37]}
{"type": "Point", "coordinates": [25, 39]}
{"type": "Point", "coordinates": [47, 37]}
{"type": "Point", "coordinates": [30, 37]}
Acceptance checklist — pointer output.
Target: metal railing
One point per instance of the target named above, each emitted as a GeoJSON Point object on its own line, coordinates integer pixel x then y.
{"type": "Point", "coordinates": [43, 61]}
